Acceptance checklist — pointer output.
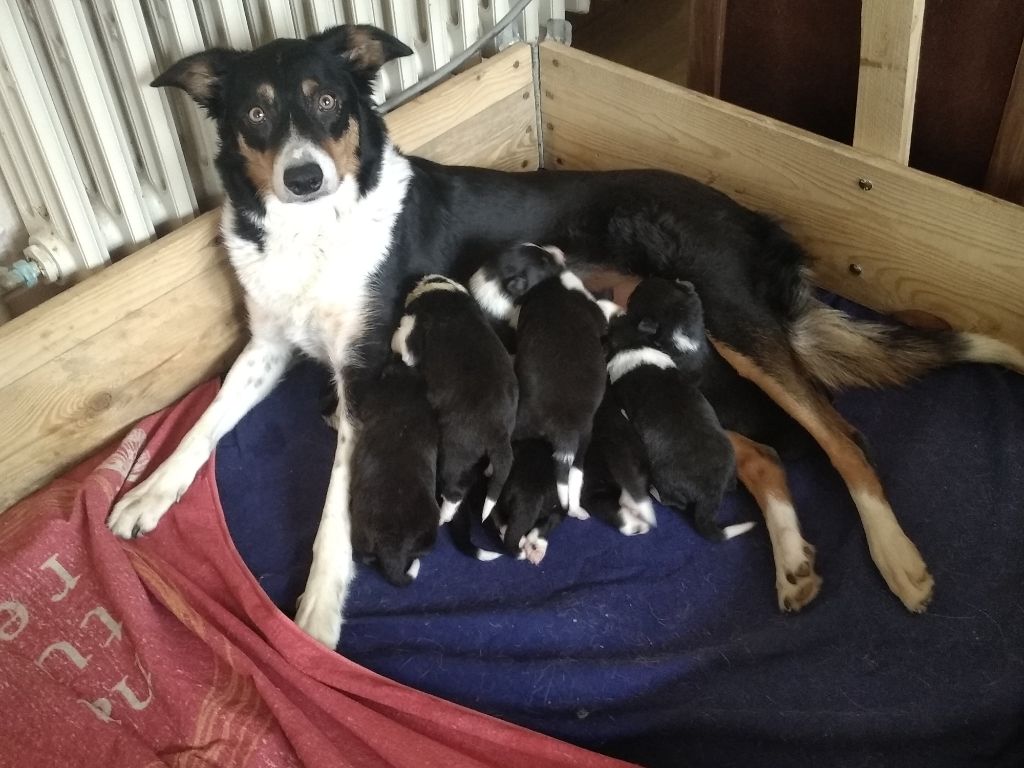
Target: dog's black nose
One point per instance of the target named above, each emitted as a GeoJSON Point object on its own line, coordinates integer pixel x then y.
{"type": "Point", "coordinates": [303, 179]}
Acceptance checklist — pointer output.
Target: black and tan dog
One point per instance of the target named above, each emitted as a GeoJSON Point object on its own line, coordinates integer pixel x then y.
{"type": "Point", "coordinates": [325, 222]}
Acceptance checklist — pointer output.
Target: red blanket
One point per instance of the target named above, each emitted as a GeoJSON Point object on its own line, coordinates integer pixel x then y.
{"type": "Point", "coordinates": [166, 650]}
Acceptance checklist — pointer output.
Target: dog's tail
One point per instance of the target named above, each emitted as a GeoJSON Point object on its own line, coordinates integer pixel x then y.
{"type": "Point", "coordinates": [839, 351]}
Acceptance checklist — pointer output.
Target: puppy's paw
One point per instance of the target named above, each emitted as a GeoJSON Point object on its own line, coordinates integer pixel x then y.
{"type": "Point", "coordinates": [319, 616]}
{"type": "Point", "coordinates": [796, 581]}
{"type": "Point", "coordinates": [631, 524]}
{"type": "Point", "coordinates": [535, 547]}
{"type": "Point", "coordinates": [139, 511]}
{"type": "Point", "coordinates": [903, 569]}
{"type": "Point", "coordinates": [579, 513]}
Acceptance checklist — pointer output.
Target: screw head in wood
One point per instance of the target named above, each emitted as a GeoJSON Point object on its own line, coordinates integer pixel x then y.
{"type": "Point", "coordinates": [856, 269]}
{"type": "Point", "coordinates": [865, 184]}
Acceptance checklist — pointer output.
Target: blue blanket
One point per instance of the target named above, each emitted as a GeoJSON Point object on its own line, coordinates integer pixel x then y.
{"type": "Point", "coordinates": [669, 650]}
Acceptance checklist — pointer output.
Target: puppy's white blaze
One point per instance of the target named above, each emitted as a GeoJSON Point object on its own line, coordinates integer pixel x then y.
{"type": "Point", "coordinates": [400, 339]}
{"type": "Point", "coordinates": [573, 283]}
{"type": "Point", "coordinates": [448, 510]}
{"type": "Point", "coordinates": [732, 531]}
{"type": "Point", "coordinates": [563, 495]}
{"type": "Point", "coordinates": [575, 487]}
{"type": "Point", "coordinates": [488, 507]}
{"type": "Point", "coordinates": [685, 343]}
{"type": "Point", "coordinates": [609, 308]}
{"type": "Point", "coordinates": [486, 556]}
{"type": "Point", "coordinates": [433, 283]}
{"type": "Point", "coordinates": [414, 569]}
{"type": "Point", "coordinates": [490, 296]}
{"type": "Point", "coordinates": [630, 359]}
{"type": "Point", "coordinates": [985, 349]}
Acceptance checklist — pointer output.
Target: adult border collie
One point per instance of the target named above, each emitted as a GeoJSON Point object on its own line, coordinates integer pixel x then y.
{"type": "Point", "coordinates": [326, 224]}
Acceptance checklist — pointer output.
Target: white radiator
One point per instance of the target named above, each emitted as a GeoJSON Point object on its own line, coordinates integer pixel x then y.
{"type": "Point", "coordinates": [99, 163]}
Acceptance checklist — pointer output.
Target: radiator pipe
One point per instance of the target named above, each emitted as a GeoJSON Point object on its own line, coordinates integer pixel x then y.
{"type": "Point", "coordinates": [435, 77]}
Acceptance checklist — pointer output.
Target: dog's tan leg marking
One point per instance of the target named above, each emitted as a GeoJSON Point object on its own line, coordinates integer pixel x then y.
{"type": "Point", "coordinates": [895, 555]}
{"type": "Point", "coordinates": [761, 472]}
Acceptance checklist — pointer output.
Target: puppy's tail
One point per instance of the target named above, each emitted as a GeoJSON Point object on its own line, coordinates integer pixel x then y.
{"type": "Point", "coordinates": [839, 351]}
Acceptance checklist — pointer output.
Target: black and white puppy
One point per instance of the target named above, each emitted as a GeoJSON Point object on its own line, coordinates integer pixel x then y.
{"type": "Point", "coordinates": [470, 384]}
{"type": "Point", "coordinates": [559, 359]}
{"type": "Point", "coordinates": [691, 461]}
{"type": "Point", "coordinates": [394, 462]}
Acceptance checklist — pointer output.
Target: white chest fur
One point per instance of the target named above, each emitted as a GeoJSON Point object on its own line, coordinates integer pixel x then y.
{"type": "Point", "coordinates": [309, 283]}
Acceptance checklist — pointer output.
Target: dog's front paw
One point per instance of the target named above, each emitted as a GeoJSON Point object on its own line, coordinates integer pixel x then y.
{"type": "Point", "coordinates": [903, 569]}
{"type": "Point", "coordinates": [139, 511]}
{"type": "Point", "coordinates": [796, 581]}
{"type": "Point", "coordinates": [319, 616]}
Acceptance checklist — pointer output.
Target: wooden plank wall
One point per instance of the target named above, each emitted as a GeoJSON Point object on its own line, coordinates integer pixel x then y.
{"type": "Point", "coordinates": [78, 370]}
{"type": "Point", "coordinates": [890, 47]}
{"type": "Point", "coordinates": [887, 236]}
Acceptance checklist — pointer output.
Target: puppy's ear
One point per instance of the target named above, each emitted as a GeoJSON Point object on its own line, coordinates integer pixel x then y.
{"type": "Point", "coordinates": [364, 46]}
{"type": "Point", "coordinates": [201, 76]}
{"type": "Point", "coordinates": [685, 285]}
{"type": "Point", "coordinates": [515, 286]}
{"type": "Point", "coordinates": [648, 326]}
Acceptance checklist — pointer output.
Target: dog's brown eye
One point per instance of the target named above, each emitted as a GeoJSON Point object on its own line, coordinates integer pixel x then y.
{"type": "Point", "coordinates": [257, 115]}
{"type": "Point", "coordinates": [327, 102]}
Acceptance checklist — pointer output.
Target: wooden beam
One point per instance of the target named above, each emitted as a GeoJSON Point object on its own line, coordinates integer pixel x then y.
{"type": "Point", "coordinates": [82, 367]}
{"type": "Point", "coordinates": [889, 237]}
{"type": "Point", "coordinates": [706, 33]}
{"type": "Point", "coordinates": [890, 46]}
{"type": "Point", "coordinates": [1005, 176]}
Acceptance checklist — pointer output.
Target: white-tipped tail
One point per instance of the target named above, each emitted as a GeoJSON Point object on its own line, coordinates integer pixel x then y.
{"type": "Point", "coordinates": [984, 349]}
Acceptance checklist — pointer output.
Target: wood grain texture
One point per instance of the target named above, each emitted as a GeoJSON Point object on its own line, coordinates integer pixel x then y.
{"type": "Point", "coordinates": [131, 339]}
{"type": "Point", "coordinates": [890, 48]}
{"type": "Point", "coordinates": [920, 242]}
{"type": "Point", "coordinates": [1005, 176]}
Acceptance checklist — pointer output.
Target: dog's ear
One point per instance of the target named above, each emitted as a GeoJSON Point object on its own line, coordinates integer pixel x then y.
{"type": "Point", "coordinates": [685, 286]}
{"type": "Point", "coordinates": [364, 46]}
{"type": "Point", "coordinates": [648, 327]}
{"type": "Point", "coordinates": [200, 76]}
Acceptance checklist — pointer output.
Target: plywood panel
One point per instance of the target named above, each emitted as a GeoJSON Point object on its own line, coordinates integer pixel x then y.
{"type": "Point", "coordinates": [79, 369]}
{"type": "Point", "coordinates": [890, 47]}
{"type": "Point", "coordinates": [915, 241]}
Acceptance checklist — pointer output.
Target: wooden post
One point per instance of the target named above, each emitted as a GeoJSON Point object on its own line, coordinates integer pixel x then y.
{"type": "Point", "coordinates": [1006, 166]}
{"type": "Point", "coordinates": [890, 45]}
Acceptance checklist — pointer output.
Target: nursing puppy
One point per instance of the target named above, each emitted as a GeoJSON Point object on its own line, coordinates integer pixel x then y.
{"type": "Point", "coordinates": [470, 385]}
{"type": "Point", "coordinates": [690, 458]}
{"type": "Point", "coordinates": [394, 510]}
{"type": "Point", "coordinates": [559, 354]}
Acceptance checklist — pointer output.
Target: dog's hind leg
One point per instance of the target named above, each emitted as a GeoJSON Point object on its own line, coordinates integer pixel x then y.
{"type": "Point", "coordinates": [501, 465]}
{"type": "Point", "coordinates": [781, 378]}
{"type": "Point", "coordinates": [761, 472]}
{"type": "Point", "coordinates": [252, 376]}
{"type": "Point", "coordinates": [575, 479]}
